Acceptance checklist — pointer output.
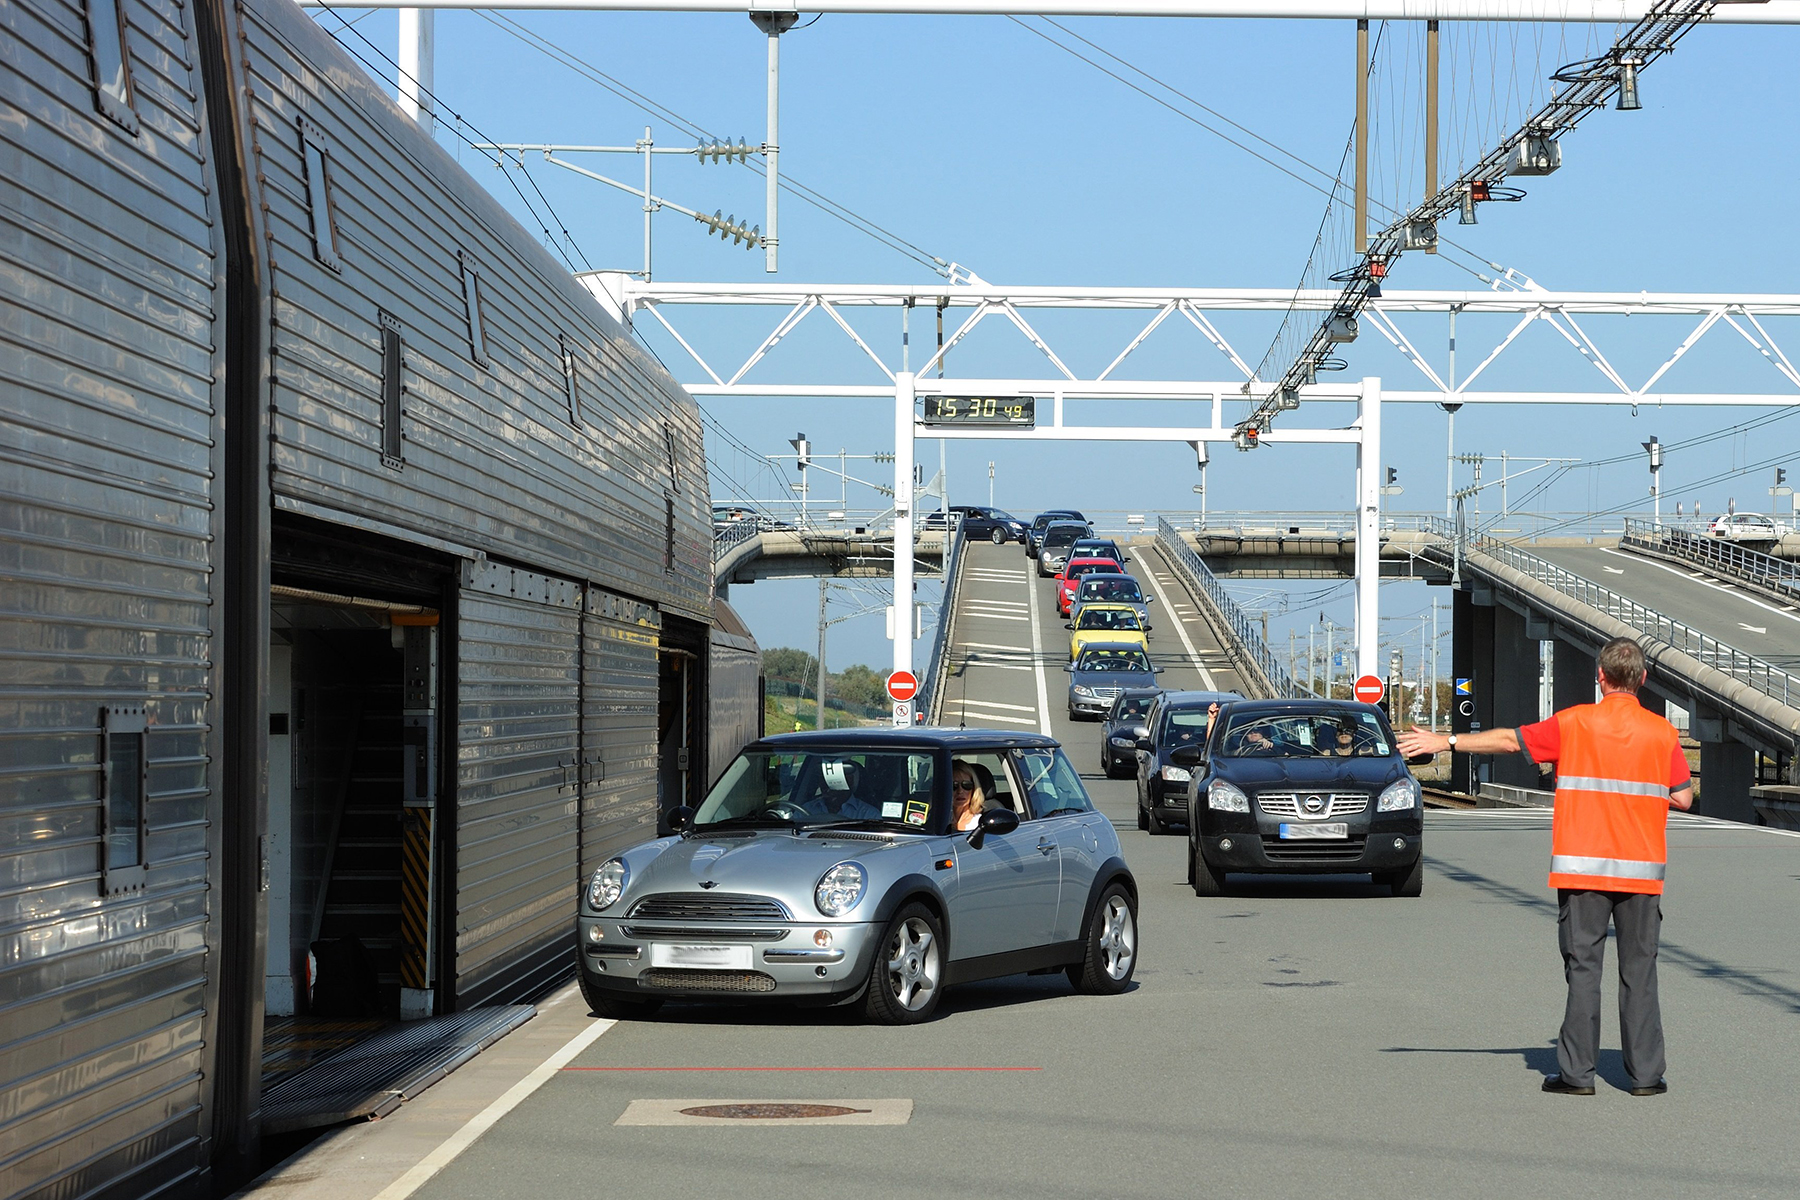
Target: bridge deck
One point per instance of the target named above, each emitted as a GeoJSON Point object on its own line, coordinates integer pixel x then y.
{"type": "Point", "coordinates": [1296, 1038]}
{"type": "Point", "coordinates": [1734, 615]}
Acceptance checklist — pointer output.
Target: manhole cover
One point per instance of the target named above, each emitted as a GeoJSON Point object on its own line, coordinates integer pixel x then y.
{"type": "Point", "coordinates": [770, 1112]}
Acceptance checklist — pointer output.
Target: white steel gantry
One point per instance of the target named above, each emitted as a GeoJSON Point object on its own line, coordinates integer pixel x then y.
{"type": "Point", "coordinates": [791, 304]}
{"type": "Point", "coordinates": [1585, 12]}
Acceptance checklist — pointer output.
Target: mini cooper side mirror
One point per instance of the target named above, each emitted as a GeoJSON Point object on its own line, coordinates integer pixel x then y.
{"type": "Point", "coordinates": [1186, 756]}
{"type": "Point", "coordinates": [681, 817]}
{"type": "Point", "coordinates": [994, 820]}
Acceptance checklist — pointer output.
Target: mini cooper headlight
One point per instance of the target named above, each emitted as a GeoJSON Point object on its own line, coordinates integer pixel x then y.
{"type": "Point", "coordinates": [1226, 797]}
{"type": "Point", "coordinates": [1176, 775]}
{"type": "Point", "coordinates": [608, 883]}
{"type": "Point", "coordinates": [1399, 796]}
{"type": "Point", "coordinates": [840, 888]}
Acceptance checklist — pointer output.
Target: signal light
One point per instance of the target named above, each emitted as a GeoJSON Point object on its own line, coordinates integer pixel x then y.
{"type": "Point", "coordinates": [1628, 89]}
{"type": "Point", "coordinates": [1466, 207]}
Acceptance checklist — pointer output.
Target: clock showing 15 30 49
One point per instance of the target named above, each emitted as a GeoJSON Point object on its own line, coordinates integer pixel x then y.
{"type": "Point", "coordinates": [1003, 412]}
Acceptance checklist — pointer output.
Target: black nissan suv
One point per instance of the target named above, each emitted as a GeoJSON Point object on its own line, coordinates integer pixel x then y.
{"type": "Point", "coordinates": [1302, 787]}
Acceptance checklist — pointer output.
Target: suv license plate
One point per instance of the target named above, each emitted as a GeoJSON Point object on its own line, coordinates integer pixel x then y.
{"type": "Point", "coordinates": [1327, 831]}
{"type": "Point", "coordinates": [727, 957]}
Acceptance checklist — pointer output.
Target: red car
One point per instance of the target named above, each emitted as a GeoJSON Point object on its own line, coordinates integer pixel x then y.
{"type": "Point", "coordinates": [1070, 576]}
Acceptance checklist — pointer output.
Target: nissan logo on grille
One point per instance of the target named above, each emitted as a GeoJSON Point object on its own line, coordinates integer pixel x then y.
{"type": "Point", "coordinates": [1314, 804]}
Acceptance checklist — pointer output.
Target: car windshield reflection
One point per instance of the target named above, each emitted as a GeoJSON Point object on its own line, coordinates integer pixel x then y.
{"type": "Point", "coordinates": [1305, 735]}
{"type": "Point", "coordinates": [820, 788]}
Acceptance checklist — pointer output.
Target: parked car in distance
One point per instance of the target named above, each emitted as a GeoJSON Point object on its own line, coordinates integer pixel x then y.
{"type": "Point", "coordinates": [1105, 623]}
{"type": "Point", "coordinates": [842, 879]}
{"type": "Point", "coordinates": [1120, 729]}
{"type": "Point", "coordinates": [1111, 588]}
{"type": "Point", "coordinates": [1034, 533]}
{"type": "Point", "coordinates": [1096, 547]}
{"type": "Point", "coordinates": [1176, 719]}
{"type": "Point", "coordinates": [1072, 574]}
{"type": "Point", "coordinates": [1745, 527]}
{"type": "Point", "coordinates": [1303, 787]}
{"type": "Point", "coordinates": [1053, 546]}
{"type": "Point", "coordinates": [1103, 671]}
{"type": "Point", "coordinates": [981, 523]}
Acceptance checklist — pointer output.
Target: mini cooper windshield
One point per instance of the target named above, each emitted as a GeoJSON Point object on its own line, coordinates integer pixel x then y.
{"type": "Point", "coordinates": [824, 788]}
{"type": "Point", "coordinates": [1305, 735]}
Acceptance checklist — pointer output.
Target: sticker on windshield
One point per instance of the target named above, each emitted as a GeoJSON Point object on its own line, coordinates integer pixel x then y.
{"type": "Point", "coordinates": [834, 776]}
{"type": "Point", "coordinates": [890, 810]}
{"type": "Point", "coordinates": [917, 811]}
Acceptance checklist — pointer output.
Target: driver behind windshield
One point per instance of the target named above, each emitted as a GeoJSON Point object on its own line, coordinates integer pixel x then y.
{"type": "Point", "coordinates": [837, 798]}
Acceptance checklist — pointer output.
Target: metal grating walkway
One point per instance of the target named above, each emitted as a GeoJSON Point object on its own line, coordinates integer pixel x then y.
{"type": "Point", "coordinates": [373, 1077]}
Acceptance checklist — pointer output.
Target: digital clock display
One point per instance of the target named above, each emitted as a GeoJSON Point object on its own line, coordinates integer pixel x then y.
{"type": "Point", "coordinates": [1007, 412]}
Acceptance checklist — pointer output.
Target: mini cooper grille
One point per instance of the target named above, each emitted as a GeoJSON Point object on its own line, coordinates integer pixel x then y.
{"type": "Point", "coordinates": [682, 906]}
{"type": "Point", "coordinates": [666, 933]}
{"type": "Point", "coordinates": [1293, 804]}
{"type": "Point", "coordinates": [680, 979]}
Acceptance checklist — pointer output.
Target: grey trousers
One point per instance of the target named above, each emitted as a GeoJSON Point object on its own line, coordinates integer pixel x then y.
{"type": "Point", "coordinates": [1582, 918]}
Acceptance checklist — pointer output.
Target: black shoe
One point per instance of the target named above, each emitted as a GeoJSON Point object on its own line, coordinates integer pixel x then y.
{"type": "Point", "coordinates": [1655, 1089]}
{"type": "Point", "coordinates": [1556, 1085]}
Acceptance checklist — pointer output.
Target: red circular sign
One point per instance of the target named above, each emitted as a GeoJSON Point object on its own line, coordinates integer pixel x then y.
{"type": "Point", "coordinates": [903, 685]}
{"type": "Point", "coordinates": [1369, 689]}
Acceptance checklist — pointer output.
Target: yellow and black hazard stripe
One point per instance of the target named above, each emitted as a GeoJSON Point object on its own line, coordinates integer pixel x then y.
{"type": "Point", "coordinates": [415, 899]}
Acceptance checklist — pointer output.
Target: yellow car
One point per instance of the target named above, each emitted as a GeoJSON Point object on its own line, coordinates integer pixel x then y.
{"type": "Point", "coordinates": [1106, 623]}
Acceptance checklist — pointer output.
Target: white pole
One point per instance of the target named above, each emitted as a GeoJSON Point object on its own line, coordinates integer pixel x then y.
{"type": "Point", "coordinates": [1368, 529]}
{"type": "Point", "coordinates": [773, 24]}
{"type": "Point", "coordinates": [649, 207]}
{"type": "Point", "coordinates": [990, 483]}
{"type": "Point", "coordinates": [1434, 663]}
{"type": "Point", "coordinates": [418, 34]}
{"type": "Point", "coordinates": [903, 533]}
{"type": "Point", "coordinates": [1330, 651]}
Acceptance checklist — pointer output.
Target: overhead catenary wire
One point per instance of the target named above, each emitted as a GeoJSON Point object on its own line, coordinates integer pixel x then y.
{"type": "Point", "coordinates": [630, 95]}
{"type": "Point", "coordinates": [456, 131]}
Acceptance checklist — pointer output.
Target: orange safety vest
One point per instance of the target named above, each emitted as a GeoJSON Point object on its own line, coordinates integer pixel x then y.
{"type": "Point", "coordinates": [1609, 831]}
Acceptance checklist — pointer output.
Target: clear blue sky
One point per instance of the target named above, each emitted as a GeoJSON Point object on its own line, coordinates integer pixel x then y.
{"type": "Point", "coordinates": [980, 142]}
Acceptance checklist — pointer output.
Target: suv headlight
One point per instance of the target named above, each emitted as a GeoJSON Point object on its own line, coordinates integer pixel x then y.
{"type": "Point", "coordinates": [1399, 796]}
{"type": "Point", "coordinates": [1176, 775]}
{"type": "Point", "coordinates": [1226, 797]}
{"type": "Point", "coordinates": [608, 884]}
{"type": "Point", "coordinates": [840, 889]}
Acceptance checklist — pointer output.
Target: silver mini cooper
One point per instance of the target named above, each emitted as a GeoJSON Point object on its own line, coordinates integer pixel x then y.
{"type": "Point", "coordinates": [870, 867]}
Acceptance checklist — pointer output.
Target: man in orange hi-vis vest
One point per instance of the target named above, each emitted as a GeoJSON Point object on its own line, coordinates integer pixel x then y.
{"type": "Point", "coordinates": [1619, 768]}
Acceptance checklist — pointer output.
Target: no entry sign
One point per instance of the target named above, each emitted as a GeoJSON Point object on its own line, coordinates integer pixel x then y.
{"type": "Point", "coordinates": [1369, 689]}
{"type": "Point", "coordinates": [903, 685]}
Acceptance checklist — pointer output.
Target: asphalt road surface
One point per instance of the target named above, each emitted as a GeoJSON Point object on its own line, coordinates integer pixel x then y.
{"type": "Point", "coordinates": [1738, 617]}
{"type": "Point", "coordinates": [1295, 1038]}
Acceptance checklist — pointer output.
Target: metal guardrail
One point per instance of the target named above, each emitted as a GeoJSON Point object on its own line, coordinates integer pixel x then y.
{"type": "Point", "coordinates": [734, 534]}
{"type": "Point", "coordinates": [940, 641]}
{"type": "Point", "coordinates": [1247, 631]}
{"type": "Point", "coordinates": [1722, 556]}
{"type": "Point", "coordinates": [1747, 669]}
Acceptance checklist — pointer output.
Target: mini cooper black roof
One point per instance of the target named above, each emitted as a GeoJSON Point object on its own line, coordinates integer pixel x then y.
{"type": "Point", "coordinates": [922, 737]}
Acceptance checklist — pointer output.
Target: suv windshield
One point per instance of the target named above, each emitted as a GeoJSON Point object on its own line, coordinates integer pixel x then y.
{"type": "Point", "coordinates": [1304, 735]}
{"type": "Point", "coordinates": [824, 787]}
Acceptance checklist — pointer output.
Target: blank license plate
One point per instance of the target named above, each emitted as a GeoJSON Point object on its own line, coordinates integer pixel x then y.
{"type": "Point", "coordinates": [1326, 831]}
{"type": "Point", "coordinates": [727, 957]}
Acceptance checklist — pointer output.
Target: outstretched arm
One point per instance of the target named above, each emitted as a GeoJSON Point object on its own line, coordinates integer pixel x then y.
{"type": "Point", "coordinates": [1486, 741]}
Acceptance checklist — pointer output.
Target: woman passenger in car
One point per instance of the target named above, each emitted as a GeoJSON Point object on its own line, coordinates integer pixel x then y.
{"type": "Point", "coordinates": [970, 796]}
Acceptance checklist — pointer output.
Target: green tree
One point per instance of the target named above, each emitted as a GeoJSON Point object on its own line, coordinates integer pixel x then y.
{"type": "Point", "coordinates": [793, 666]}
{"type": "Point", "coordinates": [859, 685]}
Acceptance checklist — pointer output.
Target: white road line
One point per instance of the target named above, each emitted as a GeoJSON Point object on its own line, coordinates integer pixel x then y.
{"type": "Point", "coordinates": [1028, 722]}
{"type": "Point", "coordinates": [1024, 708]}
{"type": "Point", "coordinates": [994, 616]}
{"type": "Point", "coordinates": [1037, 655]}
{"type": "Point", "coordinates": [1717, 587]}
{"type": "Point", "coordinates": [1181, 628]}
{"type": "Point", "coordinates": [986, 603]}
{"type": "Point", "coordinates": [1015, 665]}
{"type": "Point", "coordinates": [1019, 650]}
{"type": "Point", "coordinates": [488, 1117]}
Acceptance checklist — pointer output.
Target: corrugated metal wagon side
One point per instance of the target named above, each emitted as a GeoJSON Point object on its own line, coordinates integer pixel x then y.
{"type": "Point", "coordinates": [109, 500]}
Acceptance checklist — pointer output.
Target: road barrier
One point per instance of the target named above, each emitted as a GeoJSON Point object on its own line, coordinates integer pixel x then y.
{"type": "Point", "coordinates": [1721, 556]}
{"type": "Point", "coordinates": [927, 700]}
{"type": "Point", "coordinates": [1245, 644]}
{"type": "Point", "coordinates": [1747, 669]}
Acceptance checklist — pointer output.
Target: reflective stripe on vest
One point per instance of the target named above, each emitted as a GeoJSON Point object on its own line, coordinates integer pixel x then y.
{"type": "Point", "coordinates": [1621, 787]}
{"type": "Point", "coordinates": [1612, 868]}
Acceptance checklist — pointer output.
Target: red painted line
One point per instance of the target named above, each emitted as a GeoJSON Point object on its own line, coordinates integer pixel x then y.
{"type": "Point", "coordinates": [803, 1068]}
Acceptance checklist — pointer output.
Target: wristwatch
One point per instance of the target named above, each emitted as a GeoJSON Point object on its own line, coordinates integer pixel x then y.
{"type": "Point", "coordinates": [1452, 743]}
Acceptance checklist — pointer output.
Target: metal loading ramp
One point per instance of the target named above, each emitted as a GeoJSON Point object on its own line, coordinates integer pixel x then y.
{"type": "Point", "coordinates": [375, 1076]}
